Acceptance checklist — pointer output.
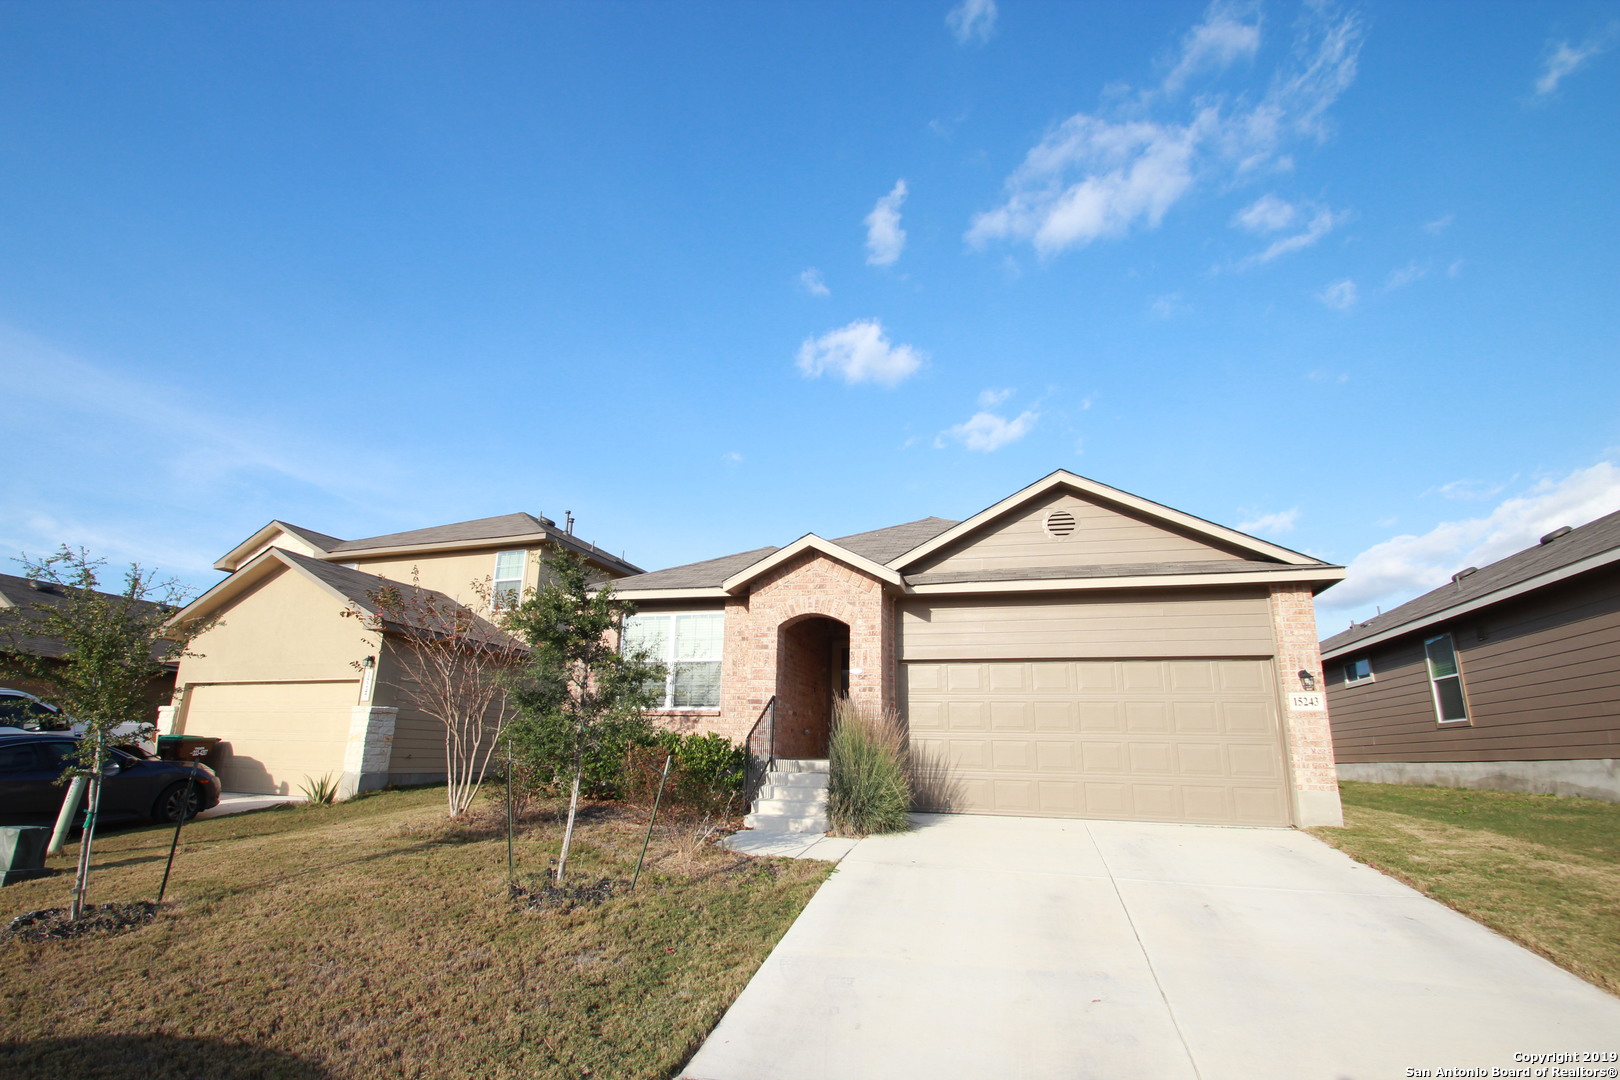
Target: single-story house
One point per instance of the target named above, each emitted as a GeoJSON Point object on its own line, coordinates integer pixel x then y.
{"type": "Point", "coordinates": [20, 600]}
{"type": "Point", "coordinates": [296, 690]}
{"type": "Point", "coordinates": [1506, 677]}
{"type": "Point", "coordinates": [1073, 651]}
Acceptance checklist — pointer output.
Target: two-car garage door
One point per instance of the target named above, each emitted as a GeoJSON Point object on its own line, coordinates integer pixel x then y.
{"type": "Point", "coordinates": [1146, 740]}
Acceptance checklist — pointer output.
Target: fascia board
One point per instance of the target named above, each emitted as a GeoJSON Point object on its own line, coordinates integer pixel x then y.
{"type": "Point", "coordinates": [355, 555]}
{"type": "Point", "coordinates": [812, 542]}
{"type": "Point", "coordinates": [1143, 581]}
{"type": "Point", "coordinates": [707, 592]}
{"type": "Point", "coordinates": [1146, 507]}
{"type": "Point", "coordinates": [232, 559]}
{"type": "Point", "coordinates": [1551, 577]}
{"type": "Point", "coordinates": [262, 566]}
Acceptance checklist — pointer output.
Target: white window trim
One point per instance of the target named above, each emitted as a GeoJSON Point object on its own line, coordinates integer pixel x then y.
{"type": "Point", "coordinates": [1367, 678]}
{"type": "Point", "coordinates": [495, 582]}
{"type": "Point", "coordinates": [669, 661]}
{"type": "Point", "coordinates": [1434, 687]}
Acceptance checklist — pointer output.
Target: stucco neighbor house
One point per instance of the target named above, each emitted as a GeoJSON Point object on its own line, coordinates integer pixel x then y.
{"type": "Point", "coordinates": [1072, 651]}
{"type": "Point", "coordinates": [1506, 677]}
{"type": "Point", "coordinates": [299, 691]}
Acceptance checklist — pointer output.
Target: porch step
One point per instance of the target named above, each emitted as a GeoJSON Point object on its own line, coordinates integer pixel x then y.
{"type": "Point", "coordinates": [793, 798]}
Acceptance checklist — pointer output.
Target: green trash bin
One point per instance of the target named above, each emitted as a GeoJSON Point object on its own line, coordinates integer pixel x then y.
{"type": "Point", "coordinates": [185, 747]}
{"type": "Point", "coordinates": [22, 852]}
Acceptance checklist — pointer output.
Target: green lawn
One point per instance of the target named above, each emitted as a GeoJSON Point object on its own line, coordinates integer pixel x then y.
{"type": "Point", "coordinates": [376, 938]}
{"type": "Point", "coordinates": [1542, 870]}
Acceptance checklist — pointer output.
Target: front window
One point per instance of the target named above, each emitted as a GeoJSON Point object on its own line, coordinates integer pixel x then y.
{"type": "Point", "coordinates": [1446, 679]}
{"type": "Point", "coordinates": [507, 587]}
{"type": "Point", "coordinates": [690, 647]}
{"type": "Point", "coordinates": [1358, 670]}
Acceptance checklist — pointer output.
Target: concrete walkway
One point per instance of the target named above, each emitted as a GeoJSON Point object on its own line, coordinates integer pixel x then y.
{"type": "Point", "coordinates": [983, 947]}
{"type": "Point", "coordinates": [236, 802]}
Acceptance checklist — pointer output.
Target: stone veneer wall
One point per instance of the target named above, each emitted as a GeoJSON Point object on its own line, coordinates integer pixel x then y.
{"type": "Point", "coordinates": [1310, 737]}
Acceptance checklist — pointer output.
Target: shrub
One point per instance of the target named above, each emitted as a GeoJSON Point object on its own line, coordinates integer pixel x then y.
{"type": "Point", "coordinates": [867, 791]}
{"type": "Point", "coordinates": [705, 776]}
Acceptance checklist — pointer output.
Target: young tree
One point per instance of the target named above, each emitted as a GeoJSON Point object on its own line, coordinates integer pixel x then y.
{"type": "Point", "coordinates": [114, 646]}
{"type": "Point", "coordinates": [451, 660]}
{"type": "Point", "coordinates": [578, 693]}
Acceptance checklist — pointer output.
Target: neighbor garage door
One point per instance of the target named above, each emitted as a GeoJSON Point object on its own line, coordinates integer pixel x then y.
{"type": "Point", "coordinates": [1144, 740]}
{"type": "Point", "coordinates": [276, 735]}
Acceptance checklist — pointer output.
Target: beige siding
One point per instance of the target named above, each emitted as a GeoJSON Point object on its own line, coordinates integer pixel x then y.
{"type": "Point", "coordinates": [276, 735]}
{"type": "Point", "coordinates": [1541, 675]}
{"type": "Point", "coordinates": [1104, 536]}
{"type": "Point", "coordinates": [452, 573]}
{"type": "Point", "coordinates": [1146, 623]}
{"type": "Point", "coordinates": [288, 629]}
{"type": "Point", "coordinates": [417, 755]}
{"type": "Point", "coordinates": [1177, 740]}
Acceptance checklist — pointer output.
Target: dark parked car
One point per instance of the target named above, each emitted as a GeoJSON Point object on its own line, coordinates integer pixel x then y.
{"type": "Point", "coordinates": [133, 785]}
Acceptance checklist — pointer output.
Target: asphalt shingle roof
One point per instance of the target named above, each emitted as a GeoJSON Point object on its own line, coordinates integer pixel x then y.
{"type": "Point", "coordinates": [20, 601]}
{"type": "Point", "coordinates": [490, 528]}
{"type": "Point", "coordinates": [320, 540]}
{"type": "Point", "coordinates": [883, 545]}
{"type": "Point", "coordinates": [1593, 538]}
{"type": "Point", "coordinates": [361, 589]}
{"type": "Point", "coordinates": [707, 574]}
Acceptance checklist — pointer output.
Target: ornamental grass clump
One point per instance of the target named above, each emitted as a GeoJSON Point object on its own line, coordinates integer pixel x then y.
{"type": "Point", "coordinates": [868, 790]}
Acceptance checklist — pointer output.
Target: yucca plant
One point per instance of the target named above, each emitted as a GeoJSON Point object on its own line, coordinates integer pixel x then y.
{"type": "Point", "coordinates": [321, 792]}
{"type": "Point", "coordinates": [868, 790]}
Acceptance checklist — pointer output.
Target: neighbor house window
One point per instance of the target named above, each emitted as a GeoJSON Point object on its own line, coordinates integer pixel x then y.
{"type": "Point", "coordinates": [507, 588]}
{"type": "Point", "coordinates": [690, 647]}
{"type": "Point", "coordinates": [1445, 678]}
{"type": "Point", "coordinates": [1358, 670]}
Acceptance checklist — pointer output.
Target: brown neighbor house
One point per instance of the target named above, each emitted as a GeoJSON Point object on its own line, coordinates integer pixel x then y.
{"type": "Point", "coordinates": [1507, 677]}
{"type": "Point", "coordinates": [296, 690]}
{"type": "Point", "coordinates": [1072, 651]}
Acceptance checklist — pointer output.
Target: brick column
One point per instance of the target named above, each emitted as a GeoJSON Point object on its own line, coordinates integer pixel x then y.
{"type": "Point", "coordinates": [1311, 770]}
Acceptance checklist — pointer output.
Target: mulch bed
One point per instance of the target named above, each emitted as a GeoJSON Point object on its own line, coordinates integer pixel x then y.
{"type": "Point", "coordinates": [53, 924]}
{"type": "Point", "coordinates": [567, 897]}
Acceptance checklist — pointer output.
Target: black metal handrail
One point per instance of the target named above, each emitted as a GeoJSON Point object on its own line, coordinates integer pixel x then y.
{"type": "Point", "coordinates": [760, 746]}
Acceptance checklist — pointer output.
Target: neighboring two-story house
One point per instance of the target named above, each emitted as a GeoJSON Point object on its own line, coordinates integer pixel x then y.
{"type": "Point", "coordinates": [298, 691]}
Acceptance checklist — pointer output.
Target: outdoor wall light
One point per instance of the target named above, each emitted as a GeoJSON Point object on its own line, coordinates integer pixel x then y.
{"type": "Point", "coordinates": [369, 662]}
{"type": "Point", "coordinates": [1307, 679]}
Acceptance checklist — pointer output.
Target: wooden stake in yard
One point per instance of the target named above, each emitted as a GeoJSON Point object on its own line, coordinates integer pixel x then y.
{"type": "Point", "coordinates": [510, 873]}
{"type": "Point", "coordinates": [656, 800]}
{"type": "Point", "coordinates": [180, 819]}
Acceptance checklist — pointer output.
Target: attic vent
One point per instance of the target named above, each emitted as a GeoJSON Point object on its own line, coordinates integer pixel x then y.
{"type": "Point", "coordinates": [1563, 530]}
{"type": "Point", "coordinates": [43, 586]}
{"type": "Point", "coordinates": [1459, 575]}
{"type": "Point", "coordinates": [1060, 523]}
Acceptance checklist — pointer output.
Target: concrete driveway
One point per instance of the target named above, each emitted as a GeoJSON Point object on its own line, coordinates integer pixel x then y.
{"type": "Point", "coordinates": [1027, 948]}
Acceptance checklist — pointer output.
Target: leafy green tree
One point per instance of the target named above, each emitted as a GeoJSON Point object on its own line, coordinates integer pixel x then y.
{"type": "Point", "coordinates": [114, 646]}
{"type": "Point", "coordinates": [579, 697]}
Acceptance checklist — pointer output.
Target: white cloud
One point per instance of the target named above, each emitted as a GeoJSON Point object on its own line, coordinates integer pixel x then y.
{"type": "Point", "coordinates": [1322, 223]}
{"type": "Point", "coordinates": [731, 457]}
{"type": "Point", "coordinates": [1096, 176]}
{"type": "Point", "coordinates": [1455, 268]}
{"type": "Point", "coordinates": [989, 399]}
{"type": "Point", "coordinates": [1324, 376]}
{"type": "Point", "coordinates": [1406, 275]}
{"type": "Point", "coordinates": [1403, 567]}
{"type": "Point", "coordinates": [1227, 34]}
{"type": "Point", "coordinates": [813, 283]}
{"type": "Point", "coordinates": [885, 239]}
{"type": "Point", "coordinates": [1266, 214]}
{"type": "Point", "coordinates": [1564, 59]}
{"type": "Point", "coordinates": [1469, 489]}
{"type": "Point", "coordinates": [859, 352]}
{"type": "Point", "coordinates": [1262, 524]}
{"type": "Point", "coordinates": [972, 20]}
{"type": "Point", "coordinates": [1439, 224]}
{"type": "Point", "coordinates": [1341, 295]}
{"type": "Point", "coordinates": [986, 431]}
{"type": "Point", "coordinates": [1167, 306]}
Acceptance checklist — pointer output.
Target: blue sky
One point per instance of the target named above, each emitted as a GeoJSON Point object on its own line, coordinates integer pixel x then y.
{"type": "Point", "coordinates": [715, 275]}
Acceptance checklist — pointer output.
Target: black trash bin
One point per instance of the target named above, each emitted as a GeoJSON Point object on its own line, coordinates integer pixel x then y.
{"type": "Point", "coordinates": [185, 747]}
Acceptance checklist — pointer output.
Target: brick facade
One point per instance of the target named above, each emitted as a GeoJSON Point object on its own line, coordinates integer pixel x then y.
{"type": "Point", "coordinates": [1309, 736]}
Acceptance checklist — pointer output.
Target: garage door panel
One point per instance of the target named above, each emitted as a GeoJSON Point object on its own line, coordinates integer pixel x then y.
{"type": "Point", "coordinates": [274, 736]}
{"type": "Point", "coordinates": [1168, 740]}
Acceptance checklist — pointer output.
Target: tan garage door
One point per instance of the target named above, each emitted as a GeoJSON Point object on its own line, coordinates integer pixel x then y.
{"type": "Point", "coordinates": [1143, 740]}
{"type": "Point", "coordinates": [275, 734]}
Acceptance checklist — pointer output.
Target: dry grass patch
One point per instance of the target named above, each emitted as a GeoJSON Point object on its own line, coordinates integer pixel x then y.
{"type": "Point", "coordinates": [1543, 871]}
{"type": "Point", "coordinates": [377, 938]}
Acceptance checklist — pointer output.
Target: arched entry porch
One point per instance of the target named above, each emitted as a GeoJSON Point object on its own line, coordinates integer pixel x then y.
{"type": "Point", "coordinates": [812, 667]}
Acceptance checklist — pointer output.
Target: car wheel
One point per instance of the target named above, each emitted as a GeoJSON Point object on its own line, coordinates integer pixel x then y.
{"type": "Point", "coordinates": [173, 800]}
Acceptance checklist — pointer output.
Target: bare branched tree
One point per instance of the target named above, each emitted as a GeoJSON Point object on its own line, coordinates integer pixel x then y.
{"type": "Point", "coordinates": [451, 664]}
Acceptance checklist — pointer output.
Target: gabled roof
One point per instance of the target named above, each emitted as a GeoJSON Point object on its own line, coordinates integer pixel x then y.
{"type": "Point", "coordinates": [811, 542]}
{"type": "Point", "coordinates": [1556, 558]}
{"type": "Point", "coordinates": [706, 575]}
{"type": "Point", "coordinates": [1092, 489]}
{"type": "Point", "coordinates": [503, 527]}
{"type": "Point", "coordinates": [352, 588]}
{"type": "Point", "coordinates": [19, 595]}
{"type": "Point", "coordinates": [234, 558]}
{"type": "Point", "coordinates": [883, 545]}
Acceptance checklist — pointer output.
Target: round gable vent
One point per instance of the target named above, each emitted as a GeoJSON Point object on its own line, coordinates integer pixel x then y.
{"type": "Point", "coordinates": [1059, 524]}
